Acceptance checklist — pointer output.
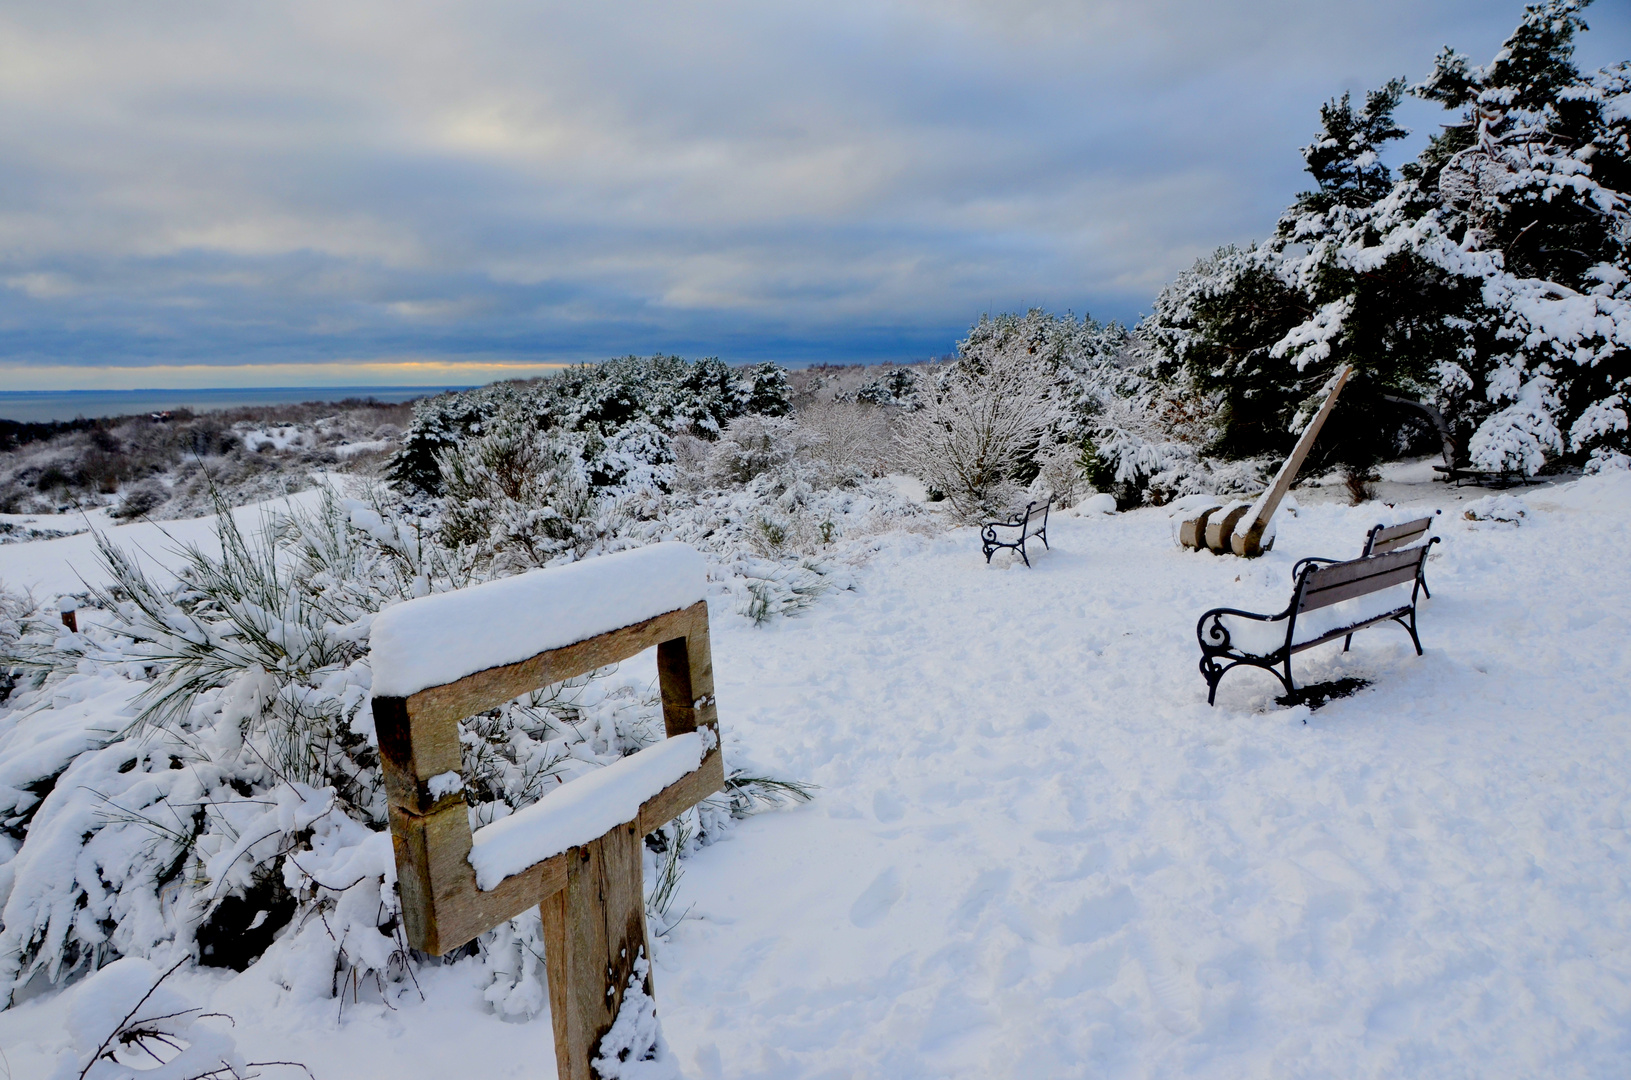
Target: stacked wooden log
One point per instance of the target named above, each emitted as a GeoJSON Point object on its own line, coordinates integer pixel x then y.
{"type": "Point", "coordinates": [1243, 528]}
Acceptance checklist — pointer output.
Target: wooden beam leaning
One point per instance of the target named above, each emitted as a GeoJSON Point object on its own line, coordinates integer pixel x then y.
{"type": "Point", "coordinates": [1246, 535]}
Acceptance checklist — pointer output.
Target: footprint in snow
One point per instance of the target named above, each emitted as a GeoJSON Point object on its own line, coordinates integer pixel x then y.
{"type": "Point", "coordinates": [873, 904]}
{"type": "Point", "coordinates": [987, 887]}
{"type": "Point", "coordinates": [1098, 917]}
{"type": "Point", "coordinates": [887, 807]}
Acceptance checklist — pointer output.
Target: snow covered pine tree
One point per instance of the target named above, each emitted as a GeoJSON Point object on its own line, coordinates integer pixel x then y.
{"type": "Point", "coordinates": [1491, 277]}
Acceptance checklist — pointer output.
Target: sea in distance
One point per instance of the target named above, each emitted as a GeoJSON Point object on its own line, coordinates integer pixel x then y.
{"type": "Point", "coordinates": [40, 406]}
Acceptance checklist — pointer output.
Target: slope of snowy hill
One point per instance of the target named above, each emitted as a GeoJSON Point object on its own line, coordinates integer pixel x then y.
{"type": "Point", "coordinates": [1036, 852]}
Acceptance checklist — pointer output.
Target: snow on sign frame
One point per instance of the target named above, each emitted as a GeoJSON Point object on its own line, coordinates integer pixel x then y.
{"type": "Point", "coordinates": [576, 852]}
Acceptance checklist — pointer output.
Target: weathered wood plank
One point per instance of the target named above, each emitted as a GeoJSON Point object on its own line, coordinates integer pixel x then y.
{"type": "Point", "coordinates": [493, 687]}
{"type": "Point", "coordinates": [1221, 526]}
{"type": "Point", "coordinates": [594, 930]}
{"type": "Point", "coordinates": [1349, 629]}
{"type": "Point", "coordinates": [448, 909]}
{"type": "Point", "coordinates": [1353, 589]}
{"type": "Point", "coordinates": [1398, 536]}
{"type": "Point", "coordinates": [1337, 573]}
{"type": "Point", "coordinates": [1365, 586]}
{"type": "Point", "coordinates": [683, 794]}
{"type": "Point", "coordinates": [1192, 533]}
{"type": "Point", "coordinates": [412, 749]}
{"type": "Point", "coordinates": [1246, 537]}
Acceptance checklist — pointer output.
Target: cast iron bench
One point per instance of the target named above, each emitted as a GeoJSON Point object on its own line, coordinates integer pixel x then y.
{"type": "Point", "coordinates": [1025, 522]}
{"type": "Point", "coordinates": [1307, 622]}
{"type": "Point", "coordinates": [1382, 539]}
{"type": "Point", "coordinates": [1495, 478]}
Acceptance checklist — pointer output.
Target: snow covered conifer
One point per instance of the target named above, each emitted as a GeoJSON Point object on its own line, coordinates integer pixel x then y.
{"type": "Point", "coordinates": [1344, 157]}
{"type": "Point", "coordinates": [1490, 277]}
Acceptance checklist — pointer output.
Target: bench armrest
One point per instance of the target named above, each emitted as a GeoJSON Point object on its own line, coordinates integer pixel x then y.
{"type": "Point", "coordinates": [1215, 638]}
{"type": "Point", "coordinates": [1015, 519]}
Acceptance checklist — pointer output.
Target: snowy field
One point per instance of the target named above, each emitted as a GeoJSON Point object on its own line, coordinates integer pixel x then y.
{"type": "Point", "coordinates": [1036, 852]}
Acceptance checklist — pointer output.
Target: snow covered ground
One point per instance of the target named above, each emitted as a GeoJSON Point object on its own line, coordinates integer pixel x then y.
{"type": "Point", "coordinates": [1036, 852]}
{"type": "Point", "coordinates": [65, 564]}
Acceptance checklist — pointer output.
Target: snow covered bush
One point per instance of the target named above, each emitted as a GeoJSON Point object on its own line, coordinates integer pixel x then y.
{"type": "Point", "coordinates": [520, 497]}
{"type": "Point", "coordinates": [1506, 508]}
{"type": "Point", "coordinates": [852, 440]}
{"type": "Point", "coordinates": [196, 773]}
{"type": "Point", "coordinates": [753, 445]}
{"type": "Point", "coordinates": [897, 388]}
{"type": "Point", "coordinates": [661, 396]}
{"type": "Point", "coordinates": [141, 499]}
{"type": "Point", "coordinates": [1062, 474]}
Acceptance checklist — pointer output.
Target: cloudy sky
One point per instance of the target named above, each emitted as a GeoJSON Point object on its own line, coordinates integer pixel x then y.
{"type": "Point", "coordinates": [298, 193]}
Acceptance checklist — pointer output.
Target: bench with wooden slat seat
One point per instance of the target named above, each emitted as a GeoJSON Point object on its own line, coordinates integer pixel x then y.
{"type": "Point", "coordinates": [1330, 601]}
{"type": "Point", "coordinates": [1379, 541]}
{"type": "Point", "coordinates": [1031, 522]}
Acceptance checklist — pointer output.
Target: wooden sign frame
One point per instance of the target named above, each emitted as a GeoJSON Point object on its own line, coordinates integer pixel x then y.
{"type": "Point", "coordinates": [590, 897]}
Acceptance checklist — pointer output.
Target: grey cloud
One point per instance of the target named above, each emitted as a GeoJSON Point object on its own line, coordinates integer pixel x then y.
{"type": "Point", "coordinates": [236, 183]}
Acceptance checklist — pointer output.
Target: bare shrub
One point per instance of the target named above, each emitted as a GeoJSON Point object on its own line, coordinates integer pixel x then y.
{"type": "Point", "coordinates": [1361, 484]}
{"type": "Point", "coordinates": [855, 439]}
{"type": "Point", "coordinates": [690, 459]}
{"type": "Point", "coordinates": [752, 445]}
{"type": "Point", "coordinates": [986, 420]}
{"type": "Point", "coordinates": [1062, 475]}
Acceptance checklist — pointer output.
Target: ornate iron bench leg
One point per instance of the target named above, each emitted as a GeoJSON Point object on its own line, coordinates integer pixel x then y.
{"type": "Point", "coordinates": [1213, 674]}
{"type": "Point", "coordinates": [1410, 627]}
{"type": "Point", "coordinates": [1022, 554]}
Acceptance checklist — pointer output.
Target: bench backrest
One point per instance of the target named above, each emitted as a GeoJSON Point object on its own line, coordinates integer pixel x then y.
{"type": "Point", "coordinates": [1382, 540]}
{"type": "Point", "coordinates": [1323, 586]}
{"type": "Point", "coordinates": [1034, 513]}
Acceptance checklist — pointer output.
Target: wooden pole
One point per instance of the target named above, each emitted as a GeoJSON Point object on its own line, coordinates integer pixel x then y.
{"type": "Point", "coordinates": [1247, 537]}
{"type": "Point", "coordinates": [594, 931]}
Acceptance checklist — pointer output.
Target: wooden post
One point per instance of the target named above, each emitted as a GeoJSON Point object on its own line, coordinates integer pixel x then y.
{"type": "Point", "coordinates": [1247, 536]}
{"type": "Point", "coordinates": [594, 930]}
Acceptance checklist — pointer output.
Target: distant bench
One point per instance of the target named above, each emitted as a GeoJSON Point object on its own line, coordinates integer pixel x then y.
{"type": "Point", "coordinates": [1496, 478]}
{"type": "Point", "coordinates": [1032, 521]}
{"type": "Point", "coordinates": [1230, 637]}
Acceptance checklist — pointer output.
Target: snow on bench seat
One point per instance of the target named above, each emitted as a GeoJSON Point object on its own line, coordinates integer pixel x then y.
{"type": "Point", "coordinates": [440, 639]}
{"type": "Point", "coordinates": [583, 810]}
